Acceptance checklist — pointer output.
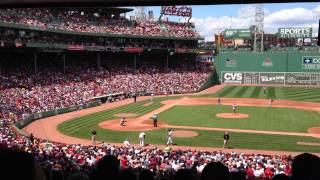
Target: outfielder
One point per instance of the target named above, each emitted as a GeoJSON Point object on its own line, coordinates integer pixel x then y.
{"type": "Point", "coordinates": [142, 136]}
{"type": "Point", "coordinates": [169, 134]}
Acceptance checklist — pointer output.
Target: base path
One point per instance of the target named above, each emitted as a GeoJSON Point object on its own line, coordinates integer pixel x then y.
{"type": "Point", "coordinates": [47, 128]}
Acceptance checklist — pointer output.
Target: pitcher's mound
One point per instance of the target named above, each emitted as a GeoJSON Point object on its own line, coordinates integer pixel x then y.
{"type": "Point", "coordinates": [184, 134]}
{"type": "Point", "coordinates": [232, 115]}
{"type": "Point", "coordinates": [126, 115]}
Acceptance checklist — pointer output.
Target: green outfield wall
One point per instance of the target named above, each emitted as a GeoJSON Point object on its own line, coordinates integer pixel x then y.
{"type": "Point", "coordinates": [273, 62]}
{"type": "Point", "coordinates": [268, 62]}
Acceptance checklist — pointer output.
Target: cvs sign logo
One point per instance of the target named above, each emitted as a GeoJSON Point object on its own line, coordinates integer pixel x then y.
{"type": "Point", "coordinates": [232, 77]}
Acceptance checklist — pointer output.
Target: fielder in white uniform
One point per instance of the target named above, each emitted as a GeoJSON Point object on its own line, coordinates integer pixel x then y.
{"type": "Point", "coordinates": [142, 136]}
{"type": "Point", "coordinates": [169, 134]}
{"type": "Point", "coordinates": [234, 108]}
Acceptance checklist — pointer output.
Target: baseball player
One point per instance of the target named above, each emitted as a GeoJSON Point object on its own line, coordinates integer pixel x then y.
{"type": "Point", "coordinates": [226, 138]}
{"type": "Point", "coordinates": [264, 90]}
{"type": "Point", "coordinates": [155, 120]}
{"type": "Point", "coordinates": [152, 97]}
{"type": "Point", "coordinates": [270, 102]}
{"type": "Point", "coordinates": [142, 137]}
{"type": "Point", "coordinates": [219, 100]}
{"type": "Point", "coordinates": [169, 135]}
{"type": "Point", "coordinates": [126, 144]}
{"type": "Point", "coordinates": [123, 121]}
{"type": "Point", "coordinates": [93, 137]}
{"type": "Point", "coordinates": [234, 108]}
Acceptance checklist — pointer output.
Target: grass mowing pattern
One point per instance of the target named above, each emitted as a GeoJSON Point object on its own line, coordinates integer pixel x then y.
{"type": "Point", "coordinates": [260, 118]}
{"type": "Point", "coordinates": [241, 91]}
{"type": "Point", "coordinates": [256, 92]}
{"type": "Point", "coordinates": [271, 93]}
{"type": "Point", "coordinates": [289, 93]}
{"type": "Point", "coordinates": [88, 122]}
{"type": "Point", "coordinates": [81, 127]}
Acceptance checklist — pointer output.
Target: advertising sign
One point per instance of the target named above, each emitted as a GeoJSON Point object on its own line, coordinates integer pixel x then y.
{"type": "Point", "coordinates": [233, 78]}
{"type": "Point", "coordinates": [272, 78]}
{"type": "Point", "coordinates": [311, 62]}
{"type": "Point", "coordinates": [237, 34]}
{"type": "Point", "coordinates": [305, 32]}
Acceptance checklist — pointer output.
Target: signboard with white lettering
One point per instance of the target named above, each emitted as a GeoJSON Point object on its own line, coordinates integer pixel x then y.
{"type": "Point", "coordinates": [276, 78]}
{"type": "Point", "coordinates": [233, 78]}
{"type": "Point", "coordinates": [305, 32]}
{"type": "Point", "coordinates": [237, 34]}
{"type": "Point", "coordinates": [272, 78]}
{"type": "Point", "coordinates": [311, 62]}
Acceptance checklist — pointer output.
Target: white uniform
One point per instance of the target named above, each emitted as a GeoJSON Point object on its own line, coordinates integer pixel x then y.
{"type": "Point", "coordinates": [152, 96]}
{"type": "Point", "coordinates": [142, 136]}
{"type": "Point", "coordinates": [234, 108]}
{"type": "Point", "coordinates": [126, 144]}
{"type": "Point", "coordinates": [170, 137]}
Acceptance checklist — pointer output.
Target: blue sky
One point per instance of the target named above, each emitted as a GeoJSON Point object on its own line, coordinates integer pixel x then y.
{"type": "Point", "coordinates": [210, 19]}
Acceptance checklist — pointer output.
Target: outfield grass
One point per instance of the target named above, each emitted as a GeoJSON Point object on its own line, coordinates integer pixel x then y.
{"type": "Point", "coordinates": [290, 93]}
{"type": "Point", "coordinates": [260, 118]}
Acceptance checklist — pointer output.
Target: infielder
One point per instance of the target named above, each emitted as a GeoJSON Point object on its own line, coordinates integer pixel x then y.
{"type": "Point", "coordinates": [234, 108]}
{"type": "Point", "coordinates": [219, 100]}
{"type": "Point", "coordinates": [169, 134]}
{"type": "Point", "coordinates": [270, 102]}
{"type": "Point", "coordinates": [155, 120]}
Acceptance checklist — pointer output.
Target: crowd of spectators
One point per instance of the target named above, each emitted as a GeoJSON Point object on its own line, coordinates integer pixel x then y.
{"type": "Point", "coordinates": [76, 21]}
{"type": "Point", "coordinates": [23, 93]}
{"type": "Point", "coordinates": [62, 161]}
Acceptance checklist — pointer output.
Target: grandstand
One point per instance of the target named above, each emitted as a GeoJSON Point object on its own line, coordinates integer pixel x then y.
{"type": "Point", "coordinates": [59, 60]}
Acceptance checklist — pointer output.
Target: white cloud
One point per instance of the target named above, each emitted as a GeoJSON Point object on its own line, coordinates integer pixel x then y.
{"type": "Point", "coordinates": [294, 17]}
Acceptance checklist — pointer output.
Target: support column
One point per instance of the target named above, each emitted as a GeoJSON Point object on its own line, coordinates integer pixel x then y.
{"type": "Point", "coordinates": [99, 60]}
{"type": "Point", "coordinates": [35, 62]}
{"type": "Point", "coordinates": [167, 61]}
{"type": "Point", "coordinates": [64, 62]}
{"type": "Point", "coordinates": [135, 61]}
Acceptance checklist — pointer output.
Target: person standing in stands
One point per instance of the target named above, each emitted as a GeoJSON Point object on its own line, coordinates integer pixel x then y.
{"type": "Point", "coordinates": [226, 138]}
{"type": "Point", "coordinates": [93, 137]}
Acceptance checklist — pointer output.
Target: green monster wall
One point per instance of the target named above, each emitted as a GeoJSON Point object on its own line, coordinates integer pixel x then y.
{"type": "Point", "coordinates": [265, 62]}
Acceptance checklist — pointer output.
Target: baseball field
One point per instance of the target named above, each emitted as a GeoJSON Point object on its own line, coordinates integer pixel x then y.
{"type": "Point", "coordinates": [291, 123]}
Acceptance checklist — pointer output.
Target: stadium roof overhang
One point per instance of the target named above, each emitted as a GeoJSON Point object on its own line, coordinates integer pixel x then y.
{"type": "Point", "coordinates": [97, 3]}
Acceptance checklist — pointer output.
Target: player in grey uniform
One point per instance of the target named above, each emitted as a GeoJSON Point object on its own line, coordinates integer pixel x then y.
{"type": "Point", "coordinates": [169, 135]}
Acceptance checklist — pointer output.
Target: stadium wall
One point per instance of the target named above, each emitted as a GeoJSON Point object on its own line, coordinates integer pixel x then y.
{"type": "Point", "coordinates": [302, 68]}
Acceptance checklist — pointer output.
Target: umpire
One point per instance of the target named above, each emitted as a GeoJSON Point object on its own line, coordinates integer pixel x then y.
{"type": "Point", "coordinates": [226, 138]}
{"type": "Point", "coordinates": [155, 120]}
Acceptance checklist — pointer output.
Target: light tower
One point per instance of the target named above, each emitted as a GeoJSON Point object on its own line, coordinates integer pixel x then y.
{"type": "Point", "coordinates": [258, 29]}
{"type": "Point", "coordinates": [140, 13]}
